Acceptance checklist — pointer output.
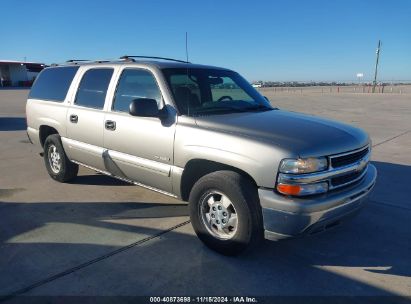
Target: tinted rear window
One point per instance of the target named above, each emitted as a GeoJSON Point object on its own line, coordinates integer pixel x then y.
{"type": "Point", "coordinates": [53, 83]}
{"type": "Point", "coordinates": [93, 88]}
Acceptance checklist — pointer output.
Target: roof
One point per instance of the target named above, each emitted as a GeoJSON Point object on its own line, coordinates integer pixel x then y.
{"type": "Point", "coordinates": [154, 63]}
{"type": "Point", "coordinates": [161, 64]}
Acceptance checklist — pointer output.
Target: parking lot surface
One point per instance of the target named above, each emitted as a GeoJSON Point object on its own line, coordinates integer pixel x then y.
{"type": "Point", "coordinates": [100, 236]}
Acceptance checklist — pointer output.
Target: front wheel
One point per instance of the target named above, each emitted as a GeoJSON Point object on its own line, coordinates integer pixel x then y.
{"type": "Point", "coordinates": [225, 212]}
{"type": "Point", "coordinates": [58, 165]}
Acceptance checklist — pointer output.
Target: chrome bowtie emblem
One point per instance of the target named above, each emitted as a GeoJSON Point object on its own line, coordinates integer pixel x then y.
{"type": "Point", "coordinates": [361, 165]}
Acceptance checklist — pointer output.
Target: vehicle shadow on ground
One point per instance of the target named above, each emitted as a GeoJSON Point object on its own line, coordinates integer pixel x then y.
{"type": "Point", "coordinates": [392, 184]}
{"type": "Point", "coordinates": [179, 263]}
{"type": "Point", "coordinates": [12, 124]}
{"type": "Point", "coordinates": [376, 244]}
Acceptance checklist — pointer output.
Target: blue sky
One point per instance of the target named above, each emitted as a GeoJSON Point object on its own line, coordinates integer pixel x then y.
{"type": "Point", "coordinates": [267, 40]}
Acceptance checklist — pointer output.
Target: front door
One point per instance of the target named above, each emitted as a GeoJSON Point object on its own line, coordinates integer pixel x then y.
{"type": "Point", "coordinates": [139, 148]}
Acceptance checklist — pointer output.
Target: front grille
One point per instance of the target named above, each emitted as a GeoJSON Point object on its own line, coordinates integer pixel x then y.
{"type": "Point", "coordinates": [344, 179]}
{"type": "Point", "coordinates": [348, 159]}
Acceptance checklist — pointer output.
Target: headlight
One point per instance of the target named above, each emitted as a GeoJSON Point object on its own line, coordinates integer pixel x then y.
{"type": "Point", "coordinates": [303, 165]}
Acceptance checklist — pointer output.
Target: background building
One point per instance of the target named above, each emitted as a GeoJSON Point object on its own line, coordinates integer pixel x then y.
{"type": "Point", "coordinates": [19, 73]}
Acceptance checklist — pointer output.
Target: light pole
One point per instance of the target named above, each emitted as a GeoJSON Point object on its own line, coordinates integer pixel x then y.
{"type": "Point", "coordinates": [376, 66]}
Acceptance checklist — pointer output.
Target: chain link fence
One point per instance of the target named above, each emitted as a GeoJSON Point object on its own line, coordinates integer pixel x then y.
{"type": "Point", "coordinates": [353, 89]}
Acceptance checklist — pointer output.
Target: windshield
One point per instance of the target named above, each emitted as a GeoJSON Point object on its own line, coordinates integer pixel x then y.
{"type": "Point", "coordinates": [212, 91]}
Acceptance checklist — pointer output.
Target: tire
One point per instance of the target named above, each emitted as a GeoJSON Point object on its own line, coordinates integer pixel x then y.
{"type": "Point", "coordinates": [62, 169]}
{"type": "Point", "coordinates": [245, 204]}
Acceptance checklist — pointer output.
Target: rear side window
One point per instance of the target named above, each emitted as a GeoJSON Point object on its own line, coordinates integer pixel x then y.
{"type": "Point", "coordinates": [53, 83]}
{"type": "Point", "coordinates": [93, 88]}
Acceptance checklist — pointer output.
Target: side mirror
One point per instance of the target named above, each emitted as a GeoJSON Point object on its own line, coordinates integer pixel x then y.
{"type": "Point", "coordinates": [144, 107]}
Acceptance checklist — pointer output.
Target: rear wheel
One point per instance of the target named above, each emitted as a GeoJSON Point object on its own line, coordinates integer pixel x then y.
{"type": "Point", "coordinates": [225, 212]}
{"type": "Point", "coordinates": [59, 167]}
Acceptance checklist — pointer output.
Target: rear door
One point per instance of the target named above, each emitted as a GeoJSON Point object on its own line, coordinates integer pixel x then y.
{"type": "Point", "coordinates": [85, 118]}
{"type": "Point", "coordinates": [139, 148]}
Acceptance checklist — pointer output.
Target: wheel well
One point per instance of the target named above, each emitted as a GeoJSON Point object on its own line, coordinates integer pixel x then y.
{"type": "Point", "coordinates": [44, 132]}
{"type": "Point", "coordinates": [197, 168]}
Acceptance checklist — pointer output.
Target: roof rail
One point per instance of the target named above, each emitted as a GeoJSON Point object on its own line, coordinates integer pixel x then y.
{"type": "Point", "coordinates": [129, 57]}
{"type": "Point", "coordinates": [77, 61]}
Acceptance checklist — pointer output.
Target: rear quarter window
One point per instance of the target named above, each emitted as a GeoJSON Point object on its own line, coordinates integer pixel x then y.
{"type": "Point", "coordinates": [53, 83]}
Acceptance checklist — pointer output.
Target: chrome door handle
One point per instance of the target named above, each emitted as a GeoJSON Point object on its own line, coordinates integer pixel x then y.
{"type": "Point", "coordinates": [110, 125]}
{"type": "Point", "coordinates": [73, 118]}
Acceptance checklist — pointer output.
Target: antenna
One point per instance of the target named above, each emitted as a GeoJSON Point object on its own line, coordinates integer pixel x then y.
{"type": "Point", "coordinates": [188, 103]}
{"type": "Point", "coordinates": [376, 66]}
{"type": "Point", "coordinates": [186, 46]}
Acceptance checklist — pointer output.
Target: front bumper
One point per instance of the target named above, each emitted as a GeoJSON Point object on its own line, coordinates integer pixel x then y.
{"type": "Point", "coordinates": [286, 217]}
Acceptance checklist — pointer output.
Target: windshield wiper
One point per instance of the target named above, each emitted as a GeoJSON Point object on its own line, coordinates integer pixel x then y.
{"type": "Point", "coordinates": [225, 109]}
{"type": "Point", "coordinates": [219, 109]}
{"type": "Point", "coordinates": [258, 107]}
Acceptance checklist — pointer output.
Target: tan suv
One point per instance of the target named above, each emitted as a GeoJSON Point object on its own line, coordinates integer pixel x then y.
{"type": "Point", "coordinates": [205, 135]}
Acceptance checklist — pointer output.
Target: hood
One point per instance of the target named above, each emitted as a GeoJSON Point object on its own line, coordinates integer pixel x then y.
{"type": "Point", "coordinates": [305, 135]}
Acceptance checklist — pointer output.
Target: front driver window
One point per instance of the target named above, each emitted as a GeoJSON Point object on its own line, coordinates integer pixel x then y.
{"type": "Point", "coordinates": [135, 84]}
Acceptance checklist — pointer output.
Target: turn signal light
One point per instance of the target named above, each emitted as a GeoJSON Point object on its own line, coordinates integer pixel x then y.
{"type": "Point", "coordinates": [302, 189]}
{"type": "Point", "coordinates": [289, 189]}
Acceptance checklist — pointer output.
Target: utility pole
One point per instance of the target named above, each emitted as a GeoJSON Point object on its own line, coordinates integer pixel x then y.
{"type": "Point", "coordinates": [376, 66]}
